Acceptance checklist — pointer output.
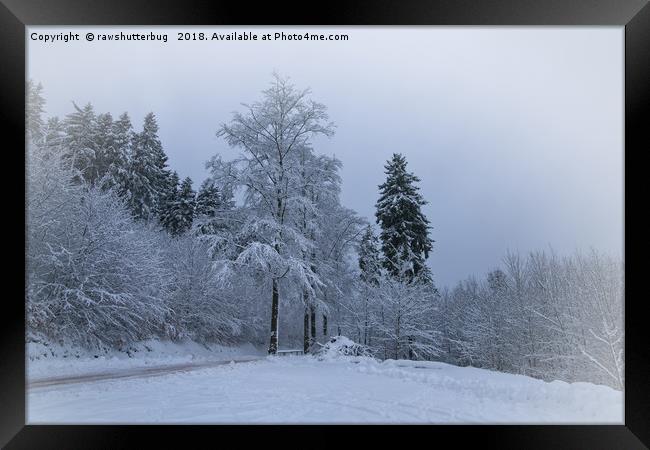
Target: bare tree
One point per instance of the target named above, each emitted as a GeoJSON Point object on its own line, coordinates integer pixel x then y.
{"type": "Point", "coordinates": [272, 134]}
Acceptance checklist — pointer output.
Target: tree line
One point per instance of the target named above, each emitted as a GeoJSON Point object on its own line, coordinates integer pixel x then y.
{"type": "Point", "coordinates": [119, 249]}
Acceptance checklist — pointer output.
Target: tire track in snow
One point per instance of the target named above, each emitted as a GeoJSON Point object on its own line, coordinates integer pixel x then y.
{"type": "Point", "coordinates": [140, 372]}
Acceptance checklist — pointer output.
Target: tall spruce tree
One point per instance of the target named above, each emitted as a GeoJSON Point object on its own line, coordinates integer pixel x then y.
{"type": "Point", "coordinates": [105, 146]}
{"type": "Point", "coordinates": [34, 125]}
{"type": "Point", "coordinates": [168, 200]}
{"type": "Point", "coordinates": [148, 175]}
{"type": "Point", "coordinates": [404, 236]}
{"type": "Point", "coordinates": [183, 211]}
{"type": "Point", "coordinates": [53, 137]}
{"type": "Point", "coordinates": [81, 142]}
{"type": "Point", "coordinates": [177, 205]}
{"type": "Point", "coordinates": [116, 156]}
{"type": "Point", "coordinates": [213, 212]}
{"type": "Point", "coordinates": [208, 199]}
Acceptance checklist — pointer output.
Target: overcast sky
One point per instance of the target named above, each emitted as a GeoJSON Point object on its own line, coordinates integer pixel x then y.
{"type": "Point", "coordinates": [516, 133]}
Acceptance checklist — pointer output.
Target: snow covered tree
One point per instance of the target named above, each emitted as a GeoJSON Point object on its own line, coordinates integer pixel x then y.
{"type": "Point", "coordinates": [54, 137]}
{"type": "Point", "coordinates": [34, 108]}
{"type": "Point", "coordinates": [46, 135]}
{"type": "Point", "coordinates": [81, 143]}
{"type": "Point", "coordinates": [105, 146]}
{"type": "Point", "coordinates": [168, 201]}
{"type": "Point", "coordinates": [405, 245]}
{"type": "Point", "coordinates": [186, 205]}
{"type": "Point", "coordinates": [148, 174]}
{"type": "Point", "coordinates": [213, 211]}
{"type": "Point", "coordinates": [115, 173]}
{"type": "Point", "coordinates": [178, 207]}
{"type": "Point", "coordinates": [208, 199]}
{"type": "Point", "coordinates": [370, 267]}
{"type": "Point", "coordinates": [404, 228]}
{"type": "Point", "coordinates": [95, 278]}
{"type": "Point", "coordinates": [316, 194]}
{"type": "Point", "coordinates": [337, 267]}
{"type": "Point", "coordinates": [369, 257]}
{"type": "Point", "coordinates": [402, 317]}
{"type": "Point", "coordinates": [543, 316]}
{"type": "Point", "coordinates": [272, 134]}
{"type": "Point", "coordinates": [199, 309]}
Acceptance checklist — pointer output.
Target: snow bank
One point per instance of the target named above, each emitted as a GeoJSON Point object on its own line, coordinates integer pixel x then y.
{"type": "Point", "coordinates": [344, 390]}
{"type": "Point", "coordinates": [341, 346]}
{"type": "Point", "coordinates": [46, 359]}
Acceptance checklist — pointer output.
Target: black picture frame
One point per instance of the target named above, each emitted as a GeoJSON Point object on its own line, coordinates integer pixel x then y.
{"type": "Point", "coordinates": [15, 15]}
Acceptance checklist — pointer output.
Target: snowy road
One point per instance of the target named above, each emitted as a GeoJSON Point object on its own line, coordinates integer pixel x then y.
{"type": "Point", "coordinates": [305, 390]}
{"type": "Point", "coordinates": [138, 372]}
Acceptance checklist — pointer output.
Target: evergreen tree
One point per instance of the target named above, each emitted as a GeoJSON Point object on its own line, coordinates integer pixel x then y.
{"type": "Point", "coordinates": [148, 175]}
{"type": "Point", "coordinates": [208, 199]}
{"type": "Point", "coordinates": [177, 205]}
{"type": "Point", "coordinates": [80, 142]}
{"type": "Point", "coordinates": [497, 281]}
{"type": "Point", "coordinates": [213, 213]}
{"type": "Point", "coordinates": [53, 138]}
{"type": "Point", "coordinates": [168, 201]}
{"type": "Point", "coordinates": [183, 209]}
{"type": "Point", "coordinates": [118, 140]}
{"type": "Point", "coordinates": [34, 112]}
{"type": "Point", "coordinates": [404, 228]}
{"type": "Point", "coordinates": [105, 146]}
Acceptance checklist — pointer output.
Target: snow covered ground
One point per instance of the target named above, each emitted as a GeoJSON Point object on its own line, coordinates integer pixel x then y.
{"type": "Point", "coordinates": [46, 360]}
{"type": "Point", "coordinates": [304, 389]}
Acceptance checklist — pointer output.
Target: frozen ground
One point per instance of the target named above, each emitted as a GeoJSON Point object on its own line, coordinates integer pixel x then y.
{"type": "Point", "coordinates": [302, 389]}
{"type": "Point", "coordinates": [47, 361]}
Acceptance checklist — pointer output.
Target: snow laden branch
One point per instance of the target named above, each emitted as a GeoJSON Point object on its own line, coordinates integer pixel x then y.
{"type": "Point", "coordinates": [273, 136]}
{"type": "Point", "coordinates": [543, 316]}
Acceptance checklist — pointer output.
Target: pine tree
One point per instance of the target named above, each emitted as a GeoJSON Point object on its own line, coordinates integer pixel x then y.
{"type": "Point", "coordinates": [177, 205]}
{"type": "Point", "coordinates": [105, 145]}
{"type": "Point", "coordinates": [80, 142]}
{"type": "Point", "coordinates": [213, 212]}
{"type": "Point", "coordinates": [208, 199]}
{"type": "Point", "coordinates": [404, 228]}
{"type": "Point", "coordinates": [34, 112]}
{"type": "Point", "coordinates": [53, 137]}
{"type": "Point", "coordinates": [183, 211]}
{"type": "Point", "coordinates": [168, 200]}
{"type": "Point", "coordinates": [497, 281]}
{"type": "Point", "coordinates": [116, 156]}
{"type": "Point", "coordinates": [148, 175]}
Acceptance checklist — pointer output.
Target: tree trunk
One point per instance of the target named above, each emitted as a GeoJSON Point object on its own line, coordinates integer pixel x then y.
{"type": "Point", "coordinates": [382, 323]}
{"type": "Point", "coordinates": [325, 326]}
{"type": "Point", "coordinates": [397, 338]}
{"type": "Point", "coordinates": [365, 323]}
{"type": "Point", "coordinates": [312, 309]}
{"type": "Point", "coordinates": [305, 329]}
{"type": "Point", "coordinates": [273, 344]}
{"type": "Point", "coordinates": [338, 320]}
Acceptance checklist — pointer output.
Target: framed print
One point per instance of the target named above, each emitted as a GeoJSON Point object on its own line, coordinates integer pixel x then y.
{"type": "Point", "coordinates": [386, 217]}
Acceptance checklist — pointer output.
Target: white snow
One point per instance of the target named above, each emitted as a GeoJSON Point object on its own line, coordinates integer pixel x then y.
{"type": "Point", "coordinates": [51, 360]}
{"type": "Point", "coordinates": [341, 347]}
{"type": "Point", "coordinates": [302, 389]}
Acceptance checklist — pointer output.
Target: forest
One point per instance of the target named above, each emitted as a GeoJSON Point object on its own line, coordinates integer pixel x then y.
{"type": "Point", "coordinates": [120, 249]}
